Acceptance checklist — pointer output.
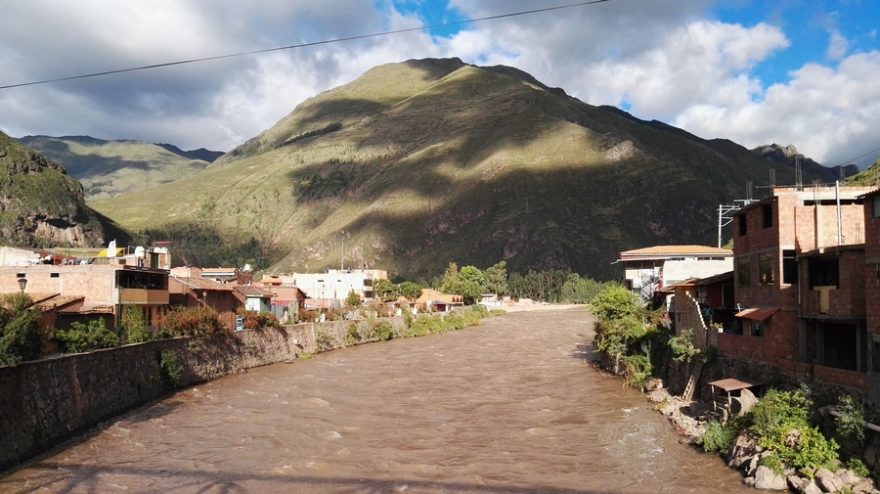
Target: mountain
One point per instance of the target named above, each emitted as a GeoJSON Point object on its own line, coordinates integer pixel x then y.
{"type": "Point", "coordinates": [789, 155]}
{"type": "Point", "coordinates": [868, 176]}
{"type": "Point", "coordinates": [41, 206]}
{"type": "Point", "coordinates": [109, 168]}
{"type": "Point", "coordinates": [420, 163]}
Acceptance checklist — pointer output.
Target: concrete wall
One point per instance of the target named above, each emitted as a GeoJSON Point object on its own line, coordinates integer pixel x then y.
{"type": "Point", "coordinates": [48, 401]}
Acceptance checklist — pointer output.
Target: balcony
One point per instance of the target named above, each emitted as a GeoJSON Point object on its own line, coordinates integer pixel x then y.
{"type": "Point", "coordinates": [834, 302]}
{"type": "Point", "coordinates": [141, 296]}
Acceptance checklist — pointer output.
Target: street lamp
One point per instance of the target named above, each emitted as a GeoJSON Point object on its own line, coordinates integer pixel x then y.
{"type": "Point", "coordinates": [22, 283]}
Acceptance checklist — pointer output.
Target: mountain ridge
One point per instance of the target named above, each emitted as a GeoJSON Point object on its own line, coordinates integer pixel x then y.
{"type": "Point", "coordinates": [424, 162]}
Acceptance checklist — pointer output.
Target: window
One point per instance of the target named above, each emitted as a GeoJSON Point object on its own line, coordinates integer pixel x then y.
{"type": "Point", "coordinates": [743, 271]}
{"type": "Point", "coordinates": [767, 215]}
{"type": "Point", "coordinates": [766, 269]}
{"type": "Point", "coordinates": [823, 272]}
{"type": "Point", "coordinates": [742, 224]}
{"type": "Point", "coordinates": [875, 206]}
{"type": "Point", "coordinates": [789, 267]}
{"type": "Point", "coordinates": [757, 328]}
{"type": "Point", "coordinates": [54, 275]}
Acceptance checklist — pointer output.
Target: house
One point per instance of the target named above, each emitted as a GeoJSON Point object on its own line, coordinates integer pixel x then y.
{"type": "Point", "coordinates": [704, 306]}
{"type": "Point", "coordinates": [195, 291]}
{"type": "Point", "coordinates": [799, 256]}
{"type": "Point", "coordinates": [872, 292]}
{"type": "Point", "coordinates": [331, 288]}
{"type": "Point", "coordinates": [286, 301]}
{"type": "Point", "coordinates": [255, 299]}
{"type": "Point", "coordinates": [104, 288]}
{"type": "Point", "coordinates": [221, 274]}
{"type": "Point", "coordinates": [12, 256]}
{"type": "Point", "coordinates": [436, 301]}
{"type": "Point", "coordinates": [649, 269]}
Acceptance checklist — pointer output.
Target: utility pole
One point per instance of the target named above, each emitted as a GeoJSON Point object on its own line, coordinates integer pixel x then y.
{"type": "Point", "coordinates": [342, 255]}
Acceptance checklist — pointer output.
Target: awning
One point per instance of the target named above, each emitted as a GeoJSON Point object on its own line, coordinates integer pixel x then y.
{"type": "Point", "coordinates": [757, 313]}
{"type": "Point", "coordinates": [732, 384]}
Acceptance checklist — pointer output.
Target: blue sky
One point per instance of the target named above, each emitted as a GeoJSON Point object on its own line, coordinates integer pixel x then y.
{"type": "Point", "coordinates": [789, 71]}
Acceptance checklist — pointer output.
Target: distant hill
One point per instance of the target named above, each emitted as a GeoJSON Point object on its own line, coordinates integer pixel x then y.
{"type": "Point", "coordinates": [868, 176]}
{"type": "Point", "coordinates": [109, 168]}
{"type": "Point", "coordinates": [788, 156]}
{"type": "Point", "coordinates": [41, 206]}
{"type": "Point", "coordinates": [419, 163]}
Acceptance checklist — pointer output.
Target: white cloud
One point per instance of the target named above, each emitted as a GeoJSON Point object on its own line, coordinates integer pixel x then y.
{"type": "Point", "coordinates": [838, 45]}
{"type": "Point", "coordinates": [666, 60]}
{"type": "Point", "coordinates": [830, 113]}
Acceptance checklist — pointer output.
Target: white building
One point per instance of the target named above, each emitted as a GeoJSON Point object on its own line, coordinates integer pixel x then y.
{"type": "Point", "coordinates": [336, 284]}
{"type": "Point", "coordinates": [649, 269]}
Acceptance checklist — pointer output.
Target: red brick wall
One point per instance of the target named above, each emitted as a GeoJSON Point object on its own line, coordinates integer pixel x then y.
{"type": "Point", "coordinates": [872, 276]}
{"type": "Point", "coordinates": [780, 340]}
{"type": "Point", "coordinates": [840, 377]}
{"type": "Point", "coordinates": [95, 282]}
{"type": "Point", "coordinates": [848, 300]}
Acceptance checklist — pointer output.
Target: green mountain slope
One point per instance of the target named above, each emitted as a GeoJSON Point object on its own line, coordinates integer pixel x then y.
{"type": "Point", "coordinates": [41, 206]}
{"type": "Point", "coordinates": [109, 168]}
{"type": "Point", "coordinates": [425, 162]}
{"type": "Point", "coordinates": [868, 176]}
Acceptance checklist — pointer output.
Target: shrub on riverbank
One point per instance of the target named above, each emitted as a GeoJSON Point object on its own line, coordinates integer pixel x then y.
{"type": "Point", "coordinates": [82, 337]}
{"type": "Point", "coordinates": [200, 322]}
{"type": "Point", "coordinates": [428, 324]}
{"type": "Point", "coordinates": [19, 329]}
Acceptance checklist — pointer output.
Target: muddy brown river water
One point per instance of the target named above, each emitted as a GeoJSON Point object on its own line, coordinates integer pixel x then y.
{"type": "Point", "coordinates": [506, 407]}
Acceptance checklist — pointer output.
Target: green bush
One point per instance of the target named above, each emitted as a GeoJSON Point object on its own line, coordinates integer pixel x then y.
{"type": "Point", "coordinates": [170, 368]}
{"type": "Point", "coordinates": [780, 422]}
{"type": "Point", "coordinates": [615, 302]}
{"type": "Point", "coordinates": [850, 419]}
{"type": "Point", "coordinates": [637, 368]}
{"type": "Point", "coordinates": [717, 437]}
{"type": "Point", "coordinates": [324, 341]}
{"type": "Point", "coordinates": [200, 322]}
{"type": "Point", "coordinates": [83, 337]}
{"type": "Point", "coordinates": [455, 321]}
{"type": "Point", "coordinates": [682, 346]}
{"type": "Point", "coordinates": [858, 467]}
{"type": "Point", "coordinates": [19, 329]}
{"type": "Point", "coordinates": [134, 324]}
{"type": "Point", "coordinates": [384, 331]}
{"type": "Point", "coordinates": [773, 462]}
{"type": "Point", "coordinates": [352, 335]}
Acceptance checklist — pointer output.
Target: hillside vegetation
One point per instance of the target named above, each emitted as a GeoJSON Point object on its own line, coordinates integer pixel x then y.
{"type": "Point", "coordinates": [423, 162]}
{"type": "Point", "coordinates": [868, 176]}
{"type": "Point", "coordinates": [110, 168]}
{"type": "Point", "coordinates": [41, 206]}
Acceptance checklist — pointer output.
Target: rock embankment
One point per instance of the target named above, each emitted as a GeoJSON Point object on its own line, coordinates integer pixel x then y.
{"type": "Point", "coordinates": [745, 454]}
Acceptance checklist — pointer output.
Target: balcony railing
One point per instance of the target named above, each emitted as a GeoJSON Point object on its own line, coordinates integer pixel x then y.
{"type": "Point", "coordinates": [141, 296]}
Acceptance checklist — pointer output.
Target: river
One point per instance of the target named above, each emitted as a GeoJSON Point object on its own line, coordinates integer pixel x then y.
{"type": "Point", "coordinates": [506, 407]}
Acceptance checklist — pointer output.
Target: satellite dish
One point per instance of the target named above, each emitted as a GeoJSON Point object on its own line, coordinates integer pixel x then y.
{"type": "Point", "coordinates": [247, 268]}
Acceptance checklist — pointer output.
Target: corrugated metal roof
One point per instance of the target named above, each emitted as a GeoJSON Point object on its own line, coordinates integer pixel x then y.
{"type": "Point", "coordinates": [757, 313]}
{"type": "Point", "coordinates": [252, 291]}
{"type": "Point", "coordinates": [204, 284]}
{"type": "Point", "coordinates": [676, 250]}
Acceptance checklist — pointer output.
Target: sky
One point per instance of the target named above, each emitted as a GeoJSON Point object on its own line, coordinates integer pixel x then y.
{"type": "Point", "coordinates": [801, 72]}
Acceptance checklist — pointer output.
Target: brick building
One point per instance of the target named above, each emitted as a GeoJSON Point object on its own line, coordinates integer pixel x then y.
{"type": "Point", "coordinates": [104, 288]}
{"type": "Point", "coordinates": [798, 261]}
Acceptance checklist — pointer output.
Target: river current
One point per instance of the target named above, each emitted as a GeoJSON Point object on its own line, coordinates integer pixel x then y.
{"type": "Point", "coordinates": [510, 406]}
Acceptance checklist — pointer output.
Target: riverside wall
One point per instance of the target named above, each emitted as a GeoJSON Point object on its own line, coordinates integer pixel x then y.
{"type": "Point", "coordinates": [46, 402]}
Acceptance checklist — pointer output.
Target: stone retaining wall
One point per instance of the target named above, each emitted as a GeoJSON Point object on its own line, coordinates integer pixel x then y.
{"type": "Point", "coordinates": [46, 402]}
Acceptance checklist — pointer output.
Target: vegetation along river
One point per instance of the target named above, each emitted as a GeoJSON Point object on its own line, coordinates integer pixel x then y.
{"type": "Point", "coordinates": [508, 406]}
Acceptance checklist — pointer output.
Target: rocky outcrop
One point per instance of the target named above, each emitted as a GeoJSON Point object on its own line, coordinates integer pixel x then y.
{"type": "Point", "coordinates": [41, 206]}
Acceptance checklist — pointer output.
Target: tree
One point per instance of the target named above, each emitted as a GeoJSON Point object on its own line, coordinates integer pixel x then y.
{"type": "Point", "coordinates": [410, 290]}
{"type": "Point", "coordinates": [496, 278]}
{"type": "Point", "coordinates": [451, 279]}
{"type": "Point", "coordinates": [134, 324]}
{"type": "Point", "coordinates": [472, 284]}
{"type": "Point", "coordinates": [353, 299]}
{"type": "Point", "coordinates": [19, 329]}
{"type": "Point", "coordinates": [384, 290]}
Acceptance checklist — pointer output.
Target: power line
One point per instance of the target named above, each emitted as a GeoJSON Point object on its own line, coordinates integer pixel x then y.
{"type": "Point", "coordinates": [304, 45]}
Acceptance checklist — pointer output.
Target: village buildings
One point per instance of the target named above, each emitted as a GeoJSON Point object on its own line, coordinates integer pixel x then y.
{"type": "Point", "coordinates": [648, 270]}
{"type": "Point", "coordinates": [806, 288]}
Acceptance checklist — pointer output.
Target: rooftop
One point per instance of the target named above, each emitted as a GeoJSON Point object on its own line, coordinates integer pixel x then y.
{"type": "Point", "coordinates": [664, 251]}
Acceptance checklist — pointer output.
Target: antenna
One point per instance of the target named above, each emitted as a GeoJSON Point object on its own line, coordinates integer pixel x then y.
{"type": "Point", "coordinates": [749, 190]}
{"type": "Point", "coordinates": [798, 173]}
{"type": "Point", "coordinates": [773, 177]}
